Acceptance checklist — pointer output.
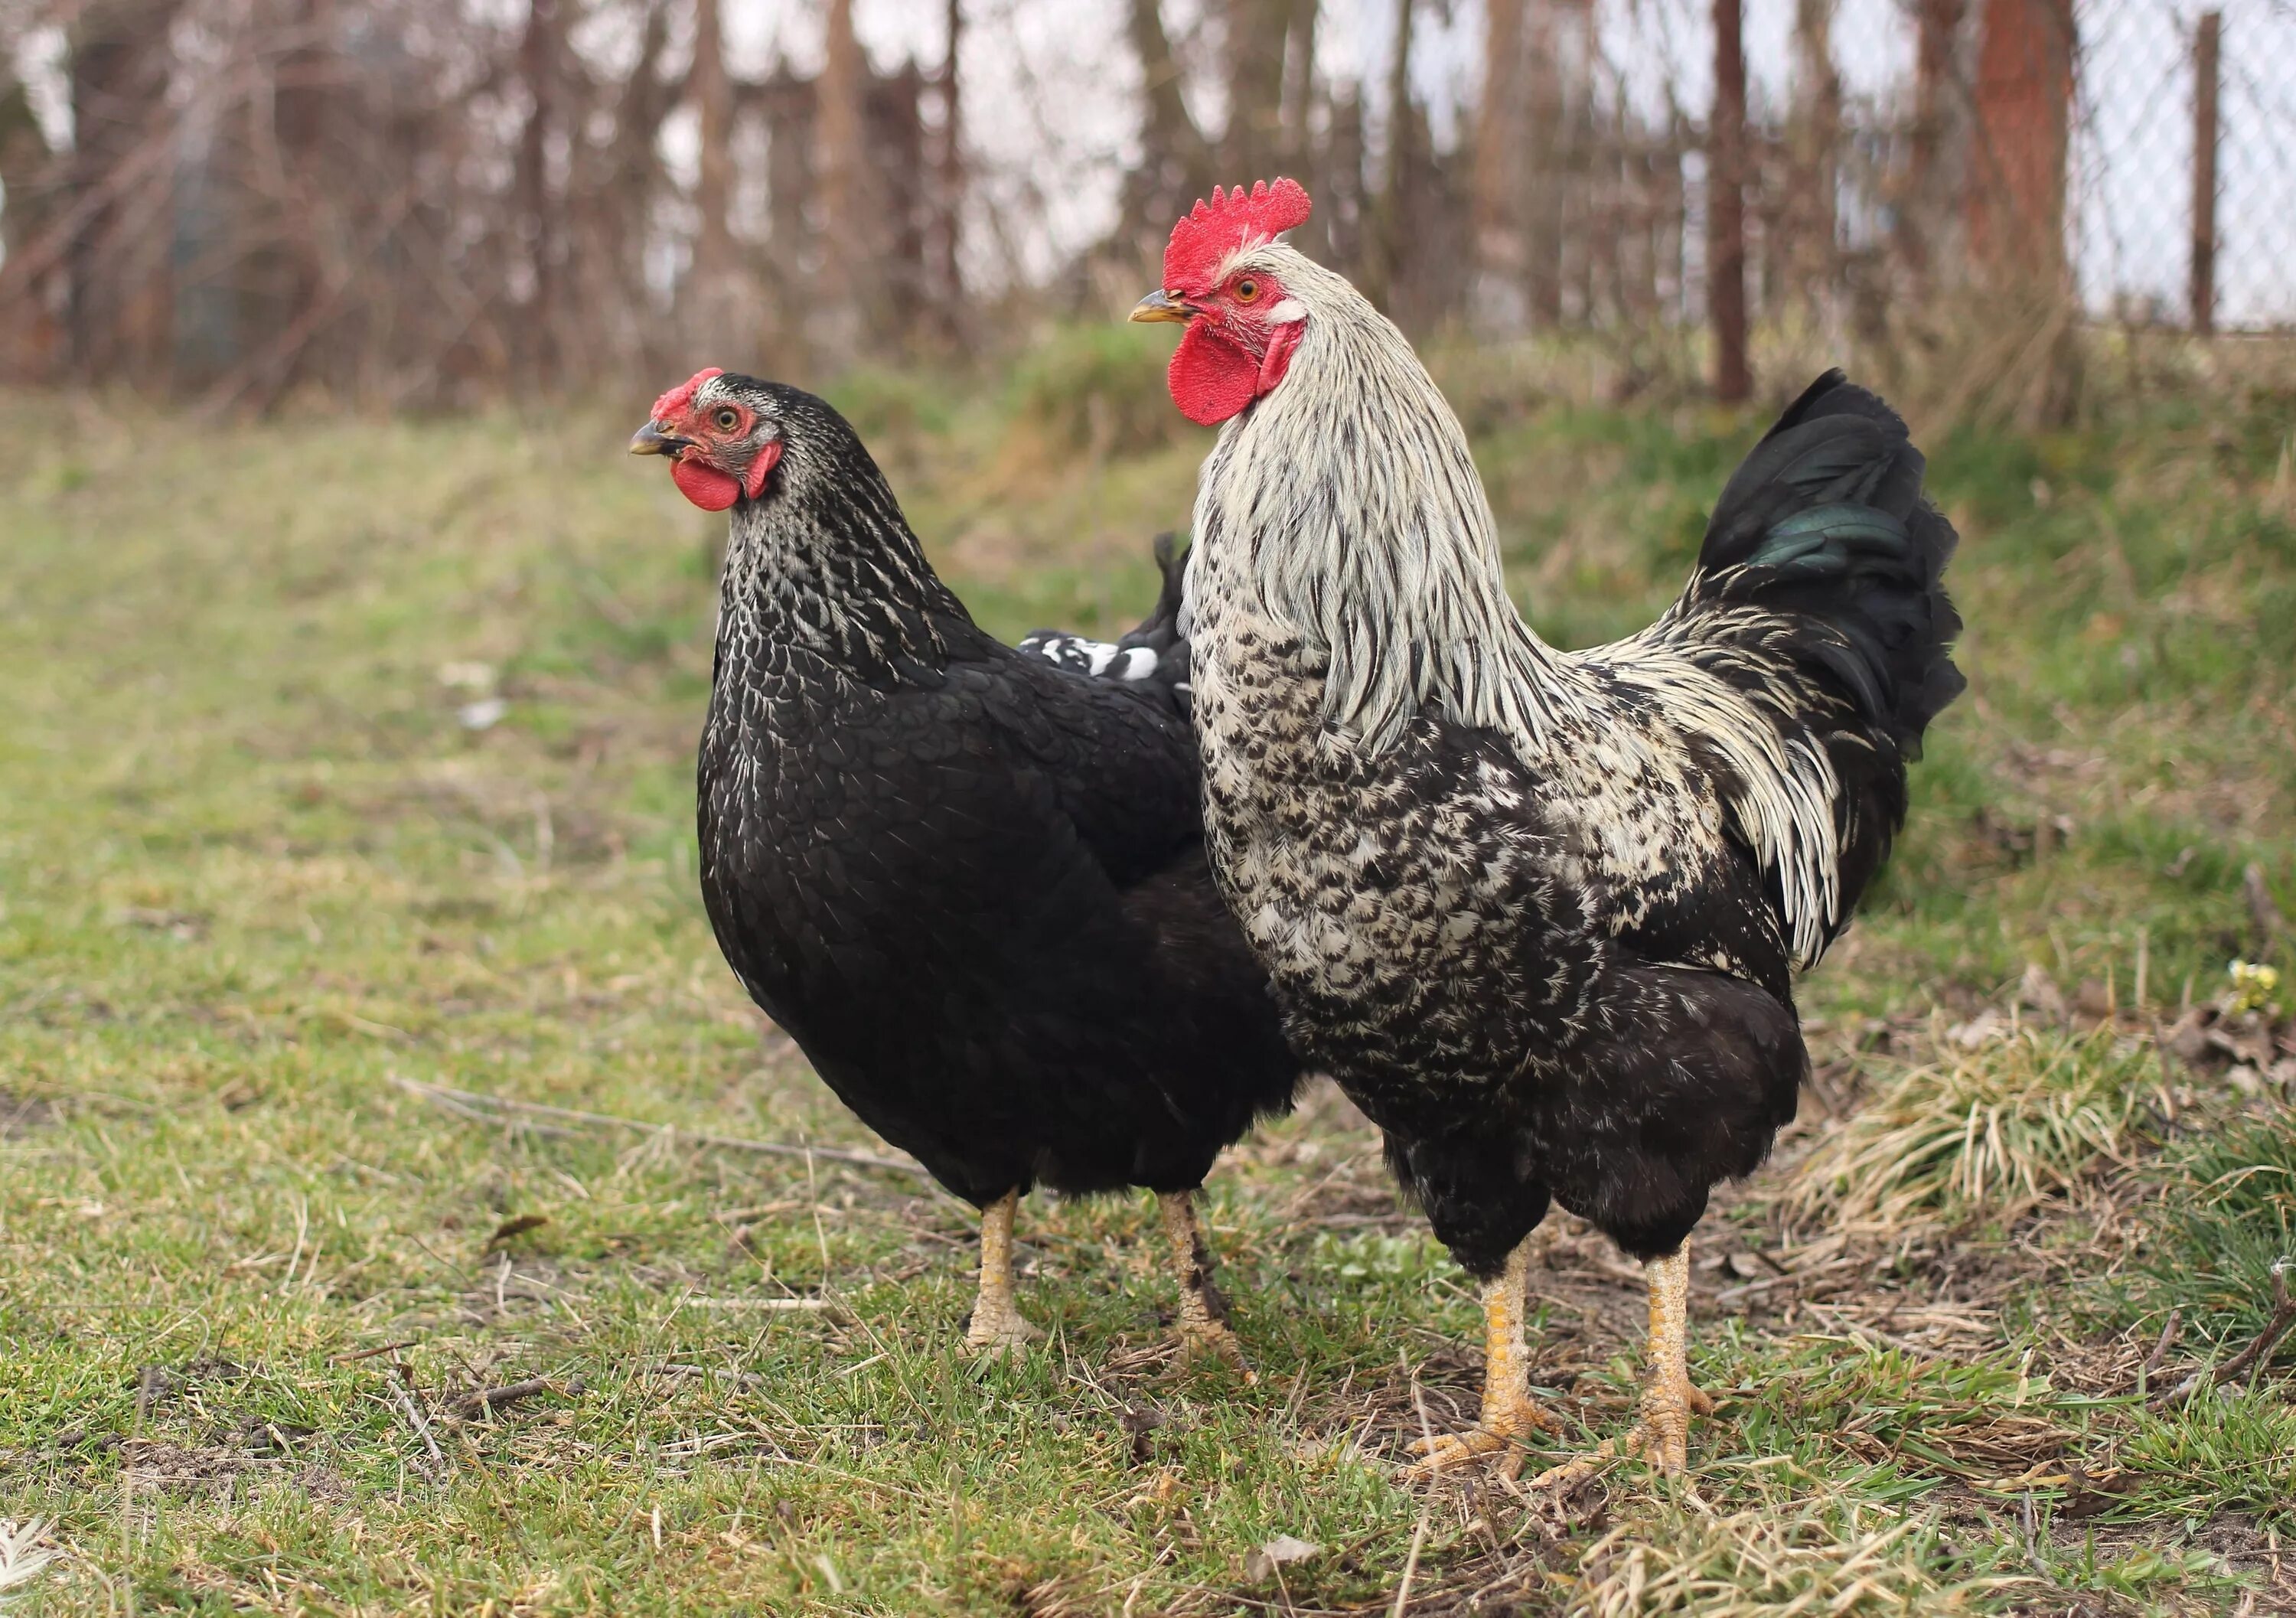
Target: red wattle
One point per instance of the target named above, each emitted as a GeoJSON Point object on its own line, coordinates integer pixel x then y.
{"type": "Point", "coordinates": [1212, 379]}
{"type": "Point", "coordinates": [753, 482]}
{"type": "Point", "coordinates": [706, 486]}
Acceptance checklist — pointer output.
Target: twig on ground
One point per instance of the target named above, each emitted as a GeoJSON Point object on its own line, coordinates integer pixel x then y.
{"type": "Point", "coordinates": [422, 1427]}
{"type": "Point", "coordinates": [486, 1400]}
{"type": "Point", "coordinates": [388, 1348]}
{"type": "Point", "coordinates": [2284, 1315]}
{"type": "Point", "coordinates": [489, 1108]}
{"type": "Point", "coordinates": [2250, 1359]}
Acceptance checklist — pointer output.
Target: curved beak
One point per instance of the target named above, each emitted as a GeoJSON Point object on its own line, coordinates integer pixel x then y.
{"type": "Point", "coordinates": [651, 440]}
{"type": "Point", "coordinates": [1163, 305]}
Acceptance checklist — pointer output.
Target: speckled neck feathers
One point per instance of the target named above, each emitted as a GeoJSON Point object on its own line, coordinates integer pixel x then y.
{"type": "Point", "coordinates": [826, 564]}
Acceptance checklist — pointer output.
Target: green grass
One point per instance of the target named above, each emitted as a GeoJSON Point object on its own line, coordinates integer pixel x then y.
{"type": "Point", "coordinates": [255, 871]}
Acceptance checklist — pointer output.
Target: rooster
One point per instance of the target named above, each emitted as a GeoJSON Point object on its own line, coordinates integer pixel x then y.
{"type": "Point", "coordinates": [968, 880]}
{"type": "Point", "coordinates": [1538, 911]}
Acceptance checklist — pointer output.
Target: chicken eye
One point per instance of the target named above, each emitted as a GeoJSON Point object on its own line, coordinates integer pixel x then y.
{"type": "Point", "coordinates": [728, 418]}
{"type": "Point", "coordinates": [1246, 290]}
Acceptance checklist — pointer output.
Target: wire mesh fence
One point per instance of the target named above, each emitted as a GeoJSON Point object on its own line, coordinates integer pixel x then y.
{"type": "Point", "coordinates": [422, 200]}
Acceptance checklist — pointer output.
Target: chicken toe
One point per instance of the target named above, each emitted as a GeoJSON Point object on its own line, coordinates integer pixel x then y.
{"type": "Point", "coordinates": [1510, 1414]}
{"type": "Point", "coordinates": [1201, 1324]}
{"type": "Point", "coordinates": [1662, 1437]}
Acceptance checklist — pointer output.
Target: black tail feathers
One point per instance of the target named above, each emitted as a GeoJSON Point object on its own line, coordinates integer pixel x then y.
{"type": "Point", "coordinates": [1155, 651]}
{"type": "Point", "coordinates": [1826, 519]}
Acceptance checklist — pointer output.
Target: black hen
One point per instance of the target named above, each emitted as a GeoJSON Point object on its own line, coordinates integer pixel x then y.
{"type": "Point", "coordinates": [968, 881]}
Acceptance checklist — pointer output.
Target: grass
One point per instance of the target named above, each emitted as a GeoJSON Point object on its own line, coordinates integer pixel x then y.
{"type": "Point", "coordinates": [2024, 1115]}
{"type": "Point", "coordinates": [263, 868]}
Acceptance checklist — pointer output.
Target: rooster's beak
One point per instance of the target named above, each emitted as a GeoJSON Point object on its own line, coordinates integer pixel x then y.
{"type": "Point", "coordinates": [652, 440]}
{"type": "Point", "coordinates": [1161, 305]}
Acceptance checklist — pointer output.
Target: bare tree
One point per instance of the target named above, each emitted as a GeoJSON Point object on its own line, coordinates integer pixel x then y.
{"type": "Point", "coordinates": [1175, 160]}
{"type": "Point", "coordinates": [121, 298]}
{"type": "Point", "coordinates": [840, 295]}
{"type": "Point", "coordinates": [1726, 207]}
{"type": "Point", "coordinates": [540, 212]}
{"type": "Point", "coordinates": [1385, 242]}
{"type": "Point", "coordinates": [2024, 109]}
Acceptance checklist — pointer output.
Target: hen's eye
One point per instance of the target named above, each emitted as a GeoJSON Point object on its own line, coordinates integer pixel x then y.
{"type": "Point", "coordinates": [728, 418]}
{"type": "Point", "coordinates": [1246, 290]}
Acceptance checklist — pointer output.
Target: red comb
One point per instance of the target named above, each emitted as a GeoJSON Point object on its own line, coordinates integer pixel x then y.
{"type": "Point", "coordinates": [1213, 230]}
{"type": "Point", "coordinates": [679, 397]}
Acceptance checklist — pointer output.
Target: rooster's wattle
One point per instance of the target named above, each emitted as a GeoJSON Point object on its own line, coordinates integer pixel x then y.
{"type": "Point", "coordinates": [1538, 911]}
{"type": "Point", "coordinates": [968, 881]}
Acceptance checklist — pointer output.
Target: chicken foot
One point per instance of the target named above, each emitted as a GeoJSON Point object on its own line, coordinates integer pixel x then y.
{"type": "Point", "coordinates": [1202, 1320]}
{"type": "Point", "coordinates": [1510, 1414]}
{"type": "Point", "coordinates": [1669, 1397]}
{"type": "Point", "coordinates": [997, 1326]}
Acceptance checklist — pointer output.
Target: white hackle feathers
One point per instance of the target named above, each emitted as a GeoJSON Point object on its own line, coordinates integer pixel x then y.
{"type": "Point", "coordinates": [1346, 505]}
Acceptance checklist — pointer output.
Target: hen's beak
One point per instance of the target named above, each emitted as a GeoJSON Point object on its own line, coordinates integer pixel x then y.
{"type": "Point", "coordinates": [1162, 305]}
{"type": "Point", "coordinates": [652, 440]}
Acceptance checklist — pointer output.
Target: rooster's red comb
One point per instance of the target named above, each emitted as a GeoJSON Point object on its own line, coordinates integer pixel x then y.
{"type": "Point", "coordinates": [1211, 231]}
{"type": "Point", "coordinates": [679, 397]}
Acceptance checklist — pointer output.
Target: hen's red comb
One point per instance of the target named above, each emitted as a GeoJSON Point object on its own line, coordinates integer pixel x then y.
{"type": "Point", "coordinates": [1212, 230]}
{"type": "Point", "coordinates": [679, 397]}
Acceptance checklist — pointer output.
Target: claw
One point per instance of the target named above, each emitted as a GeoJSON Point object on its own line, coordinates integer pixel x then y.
{"type": "Point", "coordinates": [999, 1335]}
{"type": "Point", "coordinates": [1669, 1397]}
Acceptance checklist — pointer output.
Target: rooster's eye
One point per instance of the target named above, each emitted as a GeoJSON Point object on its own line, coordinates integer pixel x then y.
{"type": "Point", "coordinates": [1246, 290]}
{"type": "Point", "coordinates": [728, 418]}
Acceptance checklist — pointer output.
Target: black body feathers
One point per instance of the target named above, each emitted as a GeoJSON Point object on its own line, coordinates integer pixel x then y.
{"type": "Point", "coordinates": [969, 882]}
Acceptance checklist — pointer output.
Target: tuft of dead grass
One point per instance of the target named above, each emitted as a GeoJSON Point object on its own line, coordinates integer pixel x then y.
{"type": "Point", "coordinates": [1995, 1126]}
{"type": "Point", "coordinates": [1821, 1557]}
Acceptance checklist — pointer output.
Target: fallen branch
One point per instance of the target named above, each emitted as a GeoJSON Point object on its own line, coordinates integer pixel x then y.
{"type": "Point", "coordinates": [2252, 1358]}
{"type": "Point", "coordinates": [489, 1109]}
{"type": "Point", "coordinates": [486, 1400]}
{"type": "Point", "coordinates": [2284, 1315]}
{"type": "Point", "coordinates": [421, 1428]}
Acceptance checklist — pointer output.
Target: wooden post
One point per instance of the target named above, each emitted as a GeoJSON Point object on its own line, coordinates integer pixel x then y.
{"type": "Point", "coordinates": [2206, 84]}
{"type": "Point", "coordinates": [1726, 207]}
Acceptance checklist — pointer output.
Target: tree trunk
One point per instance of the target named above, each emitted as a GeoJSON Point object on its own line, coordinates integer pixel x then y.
{"type": "Point", "coordinates": [948, 210]}
{"type": "Point", "coordinates": [1298, 86]}
{"type": "Point", "coordinates": [1497, 303]}
{"type": "Point", "coordinates": [1927, 207]}
{"type": "Point", "coordinates": [1725, 208]}
{"type": "Point", "coordinates": [120, 288]}
{"type": "Point", "coordinates": [541, 67]}
{"type": "Point", "coordinates": [1386, 240]}
{"type": "Point", "coordinates": [1176, 161]}
{"type": "Point", "coordinates": [2024, 107]}
{"type": "Point", "coordinates": [713, 306]}
{"type": "Point", "coordinates": [1814, 143]}
{"type": "Point", "coordinates": [841, 293]}
{"type": "Point", "coordinates": [1256, 34]}
{"type": "Point", "coordinates": [30, 174]}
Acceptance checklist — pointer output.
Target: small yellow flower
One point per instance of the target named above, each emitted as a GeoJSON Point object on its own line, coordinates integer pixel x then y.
{"type": "Point", "coordinates": [2253, 985]}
